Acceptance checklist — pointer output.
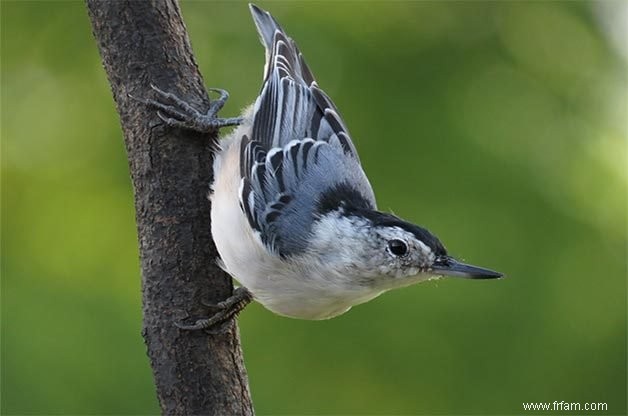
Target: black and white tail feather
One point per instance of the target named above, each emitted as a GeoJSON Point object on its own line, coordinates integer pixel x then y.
{"type": "Point", "coordinates": [299, 149]}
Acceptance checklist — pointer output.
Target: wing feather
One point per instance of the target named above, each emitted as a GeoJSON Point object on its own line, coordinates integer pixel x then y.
{"type": "Point", "coordinates": [299, 148]}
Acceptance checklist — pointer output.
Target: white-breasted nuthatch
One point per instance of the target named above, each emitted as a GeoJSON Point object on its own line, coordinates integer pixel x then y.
{"type": "Point", "coordinates": [293, 214]}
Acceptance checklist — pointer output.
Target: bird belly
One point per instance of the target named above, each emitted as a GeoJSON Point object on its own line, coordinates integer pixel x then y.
{"type": "Point", "coordinates": [242, 253]}
{"type": "Point", "coordinates": [303, 300]}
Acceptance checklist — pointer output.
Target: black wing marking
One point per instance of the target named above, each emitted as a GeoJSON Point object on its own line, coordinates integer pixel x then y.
{"type": "Point", "coordinates": [291, 105]}
{"type": "Point", "coordinates": [299, 149]}
{"type": "Point", "coordinates": [290, 189]}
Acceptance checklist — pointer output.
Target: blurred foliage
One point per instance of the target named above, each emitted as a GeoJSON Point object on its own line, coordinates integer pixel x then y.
{"type": "Point", "coordinates": [500, 126]}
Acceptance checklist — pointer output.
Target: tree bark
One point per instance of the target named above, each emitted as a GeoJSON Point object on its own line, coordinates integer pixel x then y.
{"type": "Point", "coordinates": [144, 42]}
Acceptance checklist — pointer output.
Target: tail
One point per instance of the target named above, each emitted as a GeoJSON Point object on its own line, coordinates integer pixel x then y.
{"type": "Point", "coordinates": [266, 25]}
{"type": "Point", "coordinates": [291, 106]}
{"type": "Point", "coordinates": [278, 43]}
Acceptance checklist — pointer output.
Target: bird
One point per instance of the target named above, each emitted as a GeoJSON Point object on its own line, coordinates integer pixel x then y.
{"type": "Point", "coordinates": [293, 215]}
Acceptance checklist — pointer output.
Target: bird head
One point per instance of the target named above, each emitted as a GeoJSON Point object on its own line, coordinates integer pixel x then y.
{"type": "Point", "coordinates": [382, 250]}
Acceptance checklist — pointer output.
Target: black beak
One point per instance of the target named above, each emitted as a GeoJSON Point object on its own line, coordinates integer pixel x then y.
{"type": "Point", "coordinates": [450, 267]}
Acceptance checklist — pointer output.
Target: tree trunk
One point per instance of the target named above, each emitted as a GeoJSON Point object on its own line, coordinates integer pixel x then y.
{"type": "Point", "coordinates": [144, 42]}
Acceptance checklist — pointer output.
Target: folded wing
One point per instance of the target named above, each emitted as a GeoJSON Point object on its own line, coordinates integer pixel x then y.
{"type": "Point", "coordinates": [299, 153]}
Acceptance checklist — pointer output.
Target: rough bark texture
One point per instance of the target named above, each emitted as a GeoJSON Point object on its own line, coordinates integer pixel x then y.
{"type": "Point", "coordinates": [144, 42]}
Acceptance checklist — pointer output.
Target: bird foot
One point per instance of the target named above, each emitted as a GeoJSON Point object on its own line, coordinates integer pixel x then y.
{"type": "Point", "coordinates": [176, 112]}
{"type": "Point", "coordinates": [226, 312]}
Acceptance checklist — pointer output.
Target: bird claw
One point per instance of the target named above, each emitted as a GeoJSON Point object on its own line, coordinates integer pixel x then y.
{"type": "Point", "coordinates": [227, 311]}
{"type": "Point", "coordinates": [176, 112]}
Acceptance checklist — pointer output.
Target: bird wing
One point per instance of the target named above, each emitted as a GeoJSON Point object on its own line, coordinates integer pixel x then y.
{"type": "Point", "coordinates": [299, 161]}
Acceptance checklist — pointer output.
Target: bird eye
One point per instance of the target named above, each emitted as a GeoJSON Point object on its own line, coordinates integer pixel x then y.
{"type": "Point", "coordinates": [398, 247]}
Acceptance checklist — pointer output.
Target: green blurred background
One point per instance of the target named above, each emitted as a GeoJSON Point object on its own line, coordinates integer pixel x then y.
{"type": "Point", "coordinates": [499, 126]}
